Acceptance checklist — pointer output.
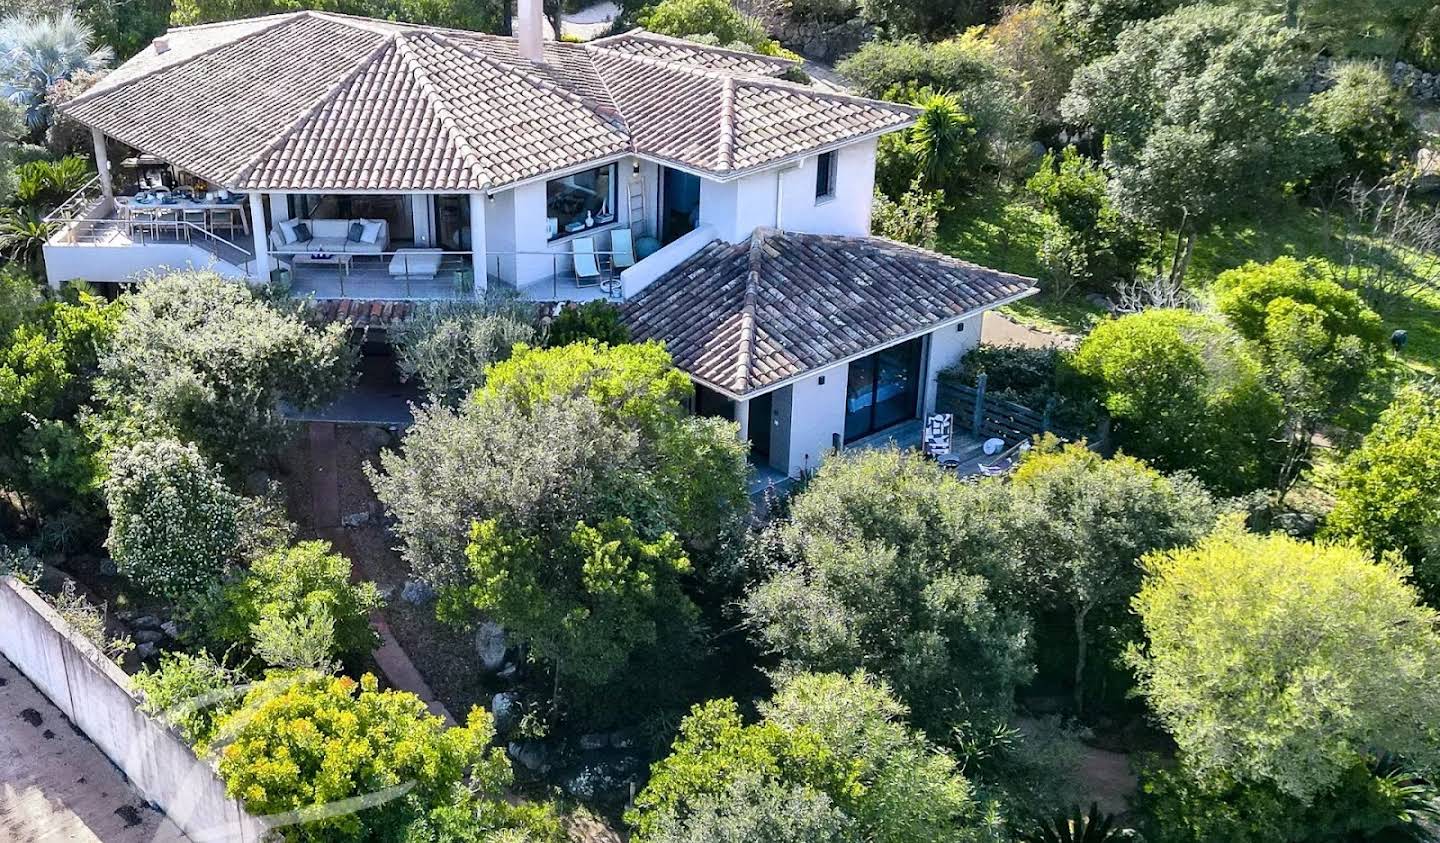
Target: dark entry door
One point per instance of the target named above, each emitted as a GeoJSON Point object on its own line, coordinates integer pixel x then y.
{"type": "Point", "coordinates": [883, 389]}
{"type": "Point", "coordinates": [761, 408]}
{"type": "Point", "coordinates": [679, 204]}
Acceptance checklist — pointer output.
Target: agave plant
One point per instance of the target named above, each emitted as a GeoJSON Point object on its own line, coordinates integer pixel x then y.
{"type": "Point", "coordinates": [42, 185]}
{"type": "Point", "coordinates": [1075, 826]}
{"type": "Point", "coordinates": [38, 51]}
{"type": "Point", "coordinates": [1417, 800]}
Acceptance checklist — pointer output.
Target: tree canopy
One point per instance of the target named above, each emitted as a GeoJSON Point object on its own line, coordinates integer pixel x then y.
{"type": "Point", "coordinates": [1279, 661]}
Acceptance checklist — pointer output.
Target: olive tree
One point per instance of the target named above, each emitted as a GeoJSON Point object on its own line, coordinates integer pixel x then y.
{"type": "Point", "coordinates": [891, 565]}
{"type": "Point", "coordinates": [1195, 110]}
{"type": "Point", "coordinates": [201, 358]}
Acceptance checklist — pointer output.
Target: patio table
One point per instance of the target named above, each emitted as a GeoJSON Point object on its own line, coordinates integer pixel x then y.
{"type": "Point", "coordinates": [156, 209]}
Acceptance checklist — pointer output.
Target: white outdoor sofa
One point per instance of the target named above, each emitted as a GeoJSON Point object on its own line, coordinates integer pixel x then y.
{"type": "Point", "coordinates": [329, 237]}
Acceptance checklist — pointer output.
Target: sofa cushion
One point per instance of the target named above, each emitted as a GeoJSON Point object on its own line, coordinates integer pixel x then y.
{"type": "Point", "coordinates": [337, 229]}
{"type": "Point", "coordinates": [287, 230]}
{"type": "Point", "coordinates": [355, 232]}
{"type": "Point", "coordinates": [370, 231]}
{"type": "Point", "coordinates": [302, 233]}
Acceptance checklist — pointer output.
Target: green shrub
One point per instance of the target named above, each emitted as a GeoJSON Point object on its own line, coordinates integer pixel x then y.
{"type": "Point", "coordinates": [1186, 394]}
{"type": "Point", "coordinates": [191, 692]}
{"type": "Point", "coordinates": [596, 320]}
{"type": "Point", "coordinates": [713, 21]}
{"type": "Point", "coordinates": [449, 346]}
{"type": "Point", "coordinates": [42, 185]}
{"type": "Point", "coordinates": [1087, 243]}
{"type": "Point", "coordinates": [914, 219]}
{"type": "Point", "coordinates": [1369, 120]}
{"type": "Point", "coordinates": [174, 526]}
{"type": "Point", "coordinates": [300, 582]}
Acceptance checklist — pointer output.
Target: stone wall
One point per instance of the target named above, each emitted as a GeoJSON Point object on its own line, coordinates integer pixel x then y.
{"type": "Point", "coordinates": [1421, 85]}
{"type": "Point", "coordinates": [100, 700]}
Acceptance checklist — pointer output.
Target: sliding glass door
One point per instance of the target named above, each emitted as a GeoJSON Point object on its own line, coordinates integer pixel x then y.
{"type": "Point", "coordinates": [883, 389]}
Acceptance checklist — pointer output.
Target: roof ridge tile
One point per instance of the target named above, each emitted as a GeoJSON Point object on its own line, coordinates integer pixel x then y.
{"type": "Point", "coordinates": [727, 124]}
{"type": "Point", "coordinates": [308, 113]}
{"type": "Point", "coordinates": [439, 103]}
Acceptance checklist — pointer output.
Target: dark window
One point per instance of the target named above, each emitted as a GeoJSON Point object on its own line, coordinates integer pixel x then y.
{"type": "Point", "coordinates": [580, 200]}
{"type": "Point", "coordinates": [825, 176]}
{"type": "Point", "coordinates": [883, 389]}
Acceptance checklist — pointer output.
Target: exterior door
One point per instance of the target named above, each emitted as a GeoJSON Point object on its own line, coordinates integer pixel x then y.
{"type": "Point", "coordinates": [883, 389]}
{"type": "Point", "coordinates": [679, 204]}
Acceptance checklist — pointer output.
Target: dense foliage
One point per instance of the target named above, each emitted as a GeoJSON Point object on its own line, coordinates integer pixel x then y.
{"type": "Point", "coordinates": [831, 752]}
{"type": "Point", "coordinates": [204, 360]}
{"type": "Point", "coordinates": [913, 219]}
{"type": "Point", "coordinates": [713, 21]}
{"type": "Point", "coordinates": [447, 347]}
{"type": "Point", "coordinates": [891, 565]}
{"type": "Point", "coordinates": [174, 525]}
{"type": "Point", "coordinates": [1087, 243]}
{"type": "Point", "coordinates": [192, 692]}
{"type": "Point", "coordinates": [41, 50]}
{"type": "Point", "coordinates": [1368, 119]}
{"type": "Point", "coordinates": [461, 14]}
{"type": "Point", "coordinates": [1186, 395]}
{"type": "Point", "coordinates": [1284, 663]}
{"type": "Point", "coordinates": [300, 745]}
{"type": "Point", "coordinates": [596, 320]}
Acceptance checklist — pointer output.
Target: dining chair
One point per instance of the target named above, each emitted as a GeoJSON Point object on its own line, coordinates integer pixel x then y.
{"type": "Point", "coordinates": [199, 217]}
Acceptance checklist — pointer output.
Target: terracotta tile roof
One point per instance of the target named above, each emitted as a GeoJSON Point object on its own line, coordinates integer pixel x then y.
{"type": "Point", "coordinates": [742, 317]}
{"type": "Point", "coordinates": [316, 101]}
{"type": "Point", "coordinates": [358, 313]}
{"type": "Point", "coordinates": [638, 42]}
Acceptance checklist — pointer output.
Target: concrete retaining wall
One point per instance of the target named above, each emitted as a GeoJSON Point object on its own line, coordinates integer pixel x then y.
{"type": "Point", "coordinates": [99, 698]}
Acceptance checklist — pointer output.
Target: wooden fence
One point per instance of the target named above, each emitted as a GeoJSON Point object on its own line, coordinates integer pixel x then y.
{"type": "Point", "coordinates": [989, 417]}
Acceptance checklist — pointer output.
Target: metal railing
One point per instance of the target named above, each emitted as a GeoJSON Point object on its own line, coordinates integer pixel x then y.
{"type": "Point", "coordinates": [403, 273]}
{"type": "Point", "coordinates": [170, 231]}
{"type": "Point", "coordinates": [557, 272]}
{"type": "Point", "coordinates": [78, 204]}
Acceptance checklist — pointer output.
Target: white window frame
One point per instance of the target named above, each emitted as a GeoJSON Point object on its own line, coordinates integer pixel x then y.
{"type": "Point", "coordinates": [561, 233]}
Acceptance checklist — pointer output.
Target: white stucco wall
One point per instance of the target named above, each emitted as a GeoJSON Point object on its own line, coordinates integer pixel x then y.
{"type": "Point", "coordinates": [99, 263]}
{"type": "Point", "coordinates": [818, 414]}
{"type": "Point", "coordinates": [947, 346]}
{"type": "Point", "coordinates": [849, 211]}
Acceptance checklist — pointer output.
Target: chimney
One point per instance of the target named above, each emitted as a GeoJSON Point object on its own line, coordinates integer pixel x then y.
{"type": "Point", "coordinates": [532, 17]}
{"type": "Point", "coordinates": [161, 45]}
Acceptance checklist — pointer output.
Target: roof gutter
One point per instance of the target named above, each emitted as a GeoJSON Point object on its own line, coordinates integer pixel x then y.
{"type": "Point", "coordinates": [1024, 294]}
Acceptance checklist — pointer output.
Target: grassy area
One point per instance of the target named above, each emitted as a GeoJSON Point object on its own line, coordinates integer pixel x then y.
{"type": "Point", "coordinates": [997, 227]}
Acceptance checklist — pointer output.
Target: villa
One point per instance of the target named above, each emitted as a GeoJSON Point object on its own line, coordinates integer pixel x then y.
{"type": "Point", "coordinates": [724, 207]}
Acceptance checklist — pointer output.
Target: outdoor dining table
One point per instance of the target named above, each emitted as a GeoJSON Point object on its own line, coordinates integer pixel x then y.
{"type": "Point", "coordinates": [154, 209]}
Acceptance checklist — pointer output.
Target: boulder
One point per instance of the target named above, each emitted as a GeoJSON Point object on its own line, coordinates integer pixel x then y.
{"type": "Point", "coordinates": [417, 593]}
{"type": "Point", "coordinates": [491, 642]}
{"type": "Point", "coordinates": [505, 708]}
{"type": "Point", "coordinates": [355, 519]}
{"type": "Point", "coordinates": [171, 629]}
{"type": "Point", "coordinates": [149, 636]}
{"type": "Point", "coordinates": [530, 755]}
{"type": "Point", "coordinates": [590, 743]}
{"type": "Point", "coordinates": [508, 673]}
{"type": "Point", "coordinates": [146, 622]}
{"type": "Point", "coordinates": [1300, 525]}
{"type": "Point", "coordinates": [146, 651]}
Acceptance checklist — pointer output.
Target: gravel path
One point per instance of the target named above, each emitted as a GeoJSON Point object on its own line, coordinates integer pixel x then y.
{"type": "Point", "coordinates": [55, 785]}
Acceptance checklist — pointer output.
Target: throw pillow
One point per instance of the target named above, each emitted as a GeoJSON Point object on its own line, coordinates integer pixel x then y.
{"type": "Point", "coordinates": [357, 231]}
{"type": "Point", "coordinates": [371, 234]}
{"type": "Point", "coordinates": [287, 230]}
{"type": "Point", "coordinates": [302, 233]}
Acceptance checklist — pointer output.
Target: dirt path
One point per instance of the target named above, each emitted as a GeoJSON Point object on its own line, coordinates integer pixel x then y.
{"type": "Point", "coordinates": [399, 670]}
{"type": "Point", "coordinates": [997, 330]}
{"type": "Point", "coordinates": [56, 785]}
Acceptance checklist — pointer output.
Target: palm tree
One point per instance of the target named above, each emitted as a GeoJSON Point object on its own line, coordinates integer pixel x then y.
{"type": "Point", "coordinates": [23, 235]}
{"type": "Point", "coordinates": [38, 51]}
{"type": "Point", "coordinates": [1076, 826]}
{"type": "Point", "coordinates": [941, 139]}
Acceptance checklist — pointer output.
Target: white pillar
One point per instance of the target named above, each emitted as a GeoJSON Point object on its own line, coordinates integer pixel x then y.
{"type": "Point", "coordinates": [279, 206]}
{"type": "Point", "coordinates": [479, 257]}
{"type": "Point", "coordinates": [261, 233]}
{"type": "Point", "coordinates": [421, 219]}
{"type": "Point", "coordinates": [742, 418]}
{"type": "Point", "coordinates": [102, 165]}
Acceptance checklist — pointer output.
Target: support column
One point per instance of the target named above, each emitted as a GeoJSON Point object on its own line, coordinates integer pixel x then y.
{"type": "Point", "coordinates": [742, 418]}
{"type": "Point", "coordinates": [102, 165]}
{"type": "Point", "coordinates": [479, 256]}
{"type": "Point", "coordinates": [261, 233]}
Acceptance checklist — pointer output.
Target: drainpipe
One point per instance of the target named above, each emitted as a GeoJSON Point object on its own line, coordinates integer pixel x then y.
{"type": "Point", "coordinates": [742, 418]}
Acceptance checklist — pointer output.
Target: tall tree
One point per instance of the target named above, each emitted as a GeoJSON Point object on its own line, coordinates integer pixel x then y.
{"type": "Point", "coordinates": [1195, 110]}
{"type": "Point", "coordinates": [1084, 522]}
{"type": "Point", "coordinates": [40, 51]}
{"type": "Point", "coordinates": [1286, 663]}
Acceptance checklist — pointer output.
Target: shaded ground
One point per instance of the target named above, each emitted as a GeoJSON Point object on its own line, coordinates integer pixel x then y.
{"type": "Point", "coordinates": [56, 785]}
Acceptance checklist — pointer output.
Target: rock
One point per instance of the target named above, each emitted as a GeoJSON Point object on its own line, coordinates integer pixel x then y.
{"type": "Point", "coordinates": [108, 568]}
{"type": "Point", "coordinates": [257, 483]}
{"type": "Point", "coordinates": [146, 622]}
{"type": "Point", "coordinates": [531, 755]}
{"type": "Point", "coordinates": [149, 636]}
{"type": "Point", "coordinates": [355, 519]}
{"type": "Point", "coordinates": [590, 743]}
{"type": "Point", "coordinates": [602, 779]}
{"type": "Point", "coordinates": [491, 642]}
{"type": "Point", "coordinates": [124, 616]}
{"type": "Point", "coordinates": [171, 628]}
{"type": "Point", "coordinates": [1098, 301]}
{"type": "Point", "coordinates": [146, 651]}
{"type": "Point", "coordinates": [622, 740]}
{"type": "Point", "coordinates": [417, 593]}
{"type": "Point", "coordinates": [1300, 525]}
{"type": "Point", "coordinates": [505, 708]}
{"type": "Point", "coordinates": [508, 672]}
